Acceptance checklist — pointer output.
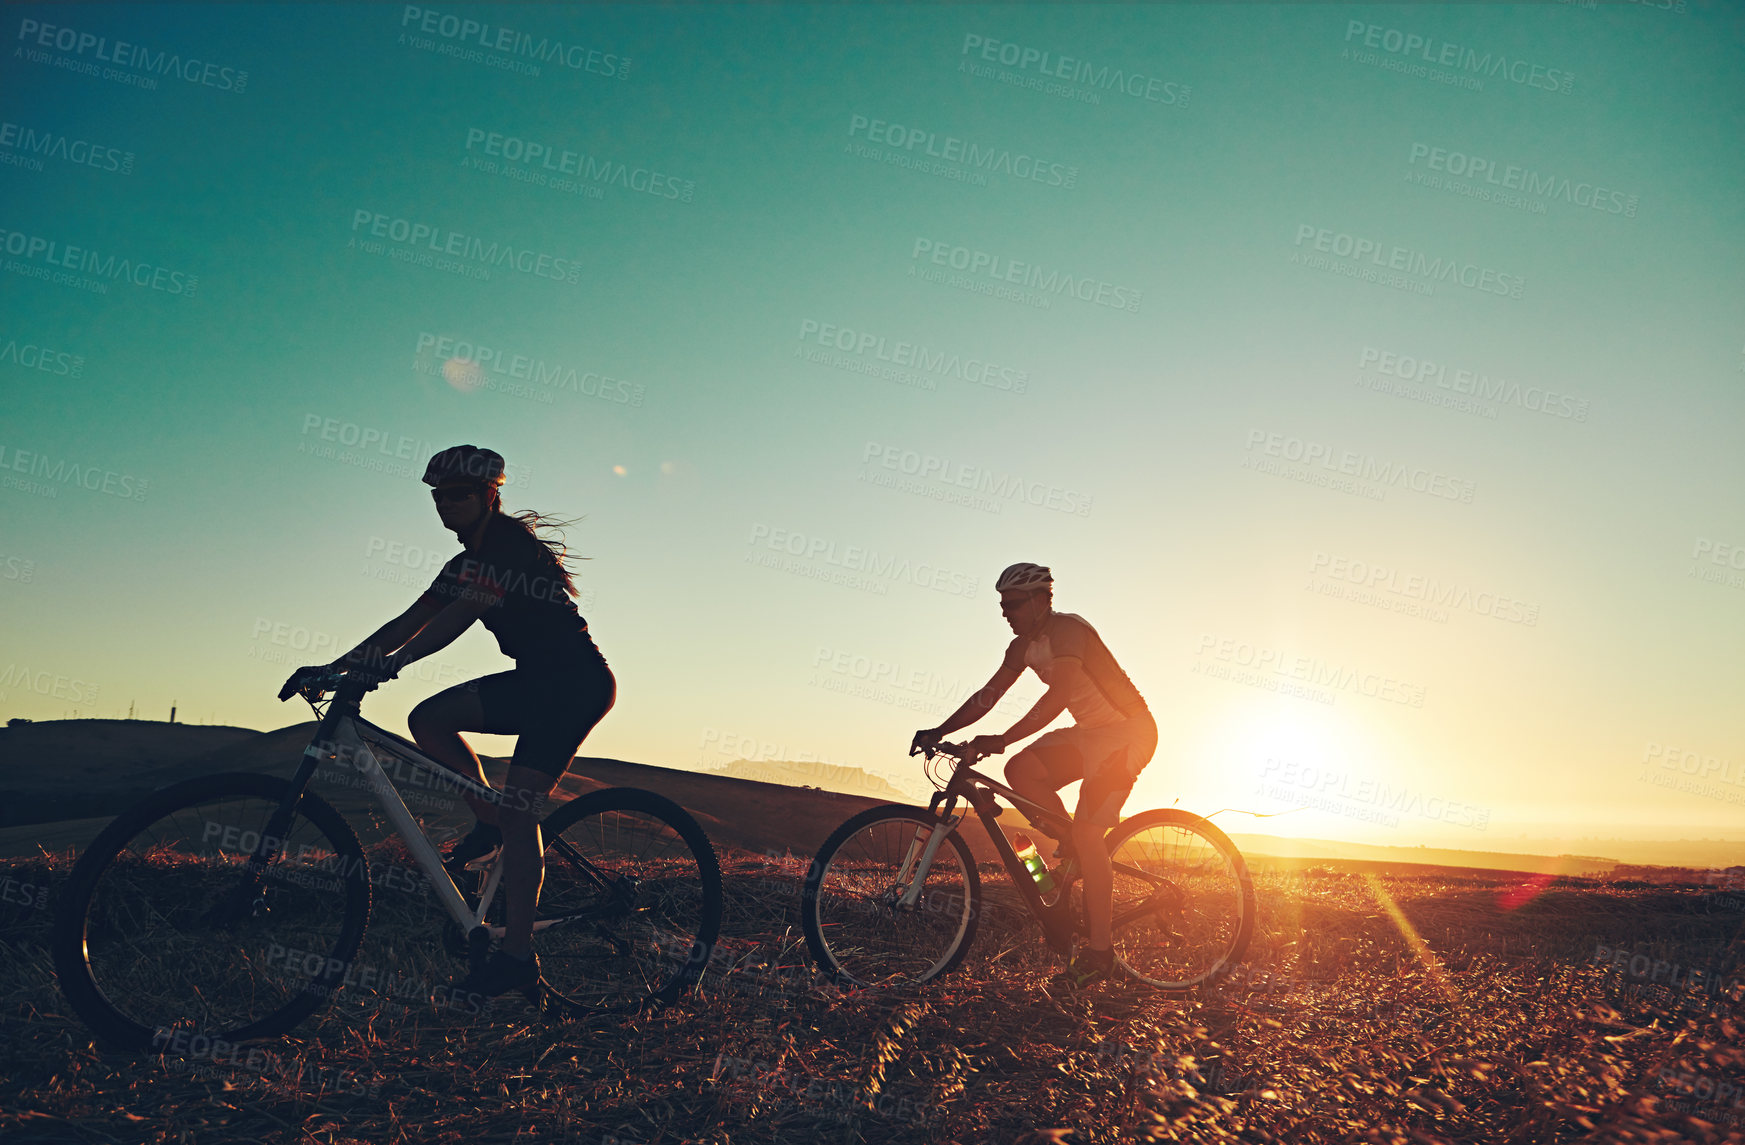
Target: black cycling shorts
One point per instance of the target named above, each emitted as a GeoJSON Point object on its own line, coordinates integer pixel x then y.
{"type": "Point", "coordinates": [552, 710]}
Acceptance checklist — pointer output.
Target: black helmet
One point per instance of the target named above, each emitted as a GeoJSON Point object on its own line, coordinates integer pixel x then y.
{"type": "Point", "coordinates": [465, 463]}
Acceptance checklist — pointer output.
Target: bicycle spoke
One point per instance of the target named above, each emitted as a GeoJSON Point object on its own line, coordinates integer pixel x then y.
{"type": "Point", "coordinates": [628, 897]}
{"type": "Point", "coordinates": [854, 906]}
{"type": "Point", "coordinates": [1183, 905]}
{"type": "Point", "coordinates": [141, 949]}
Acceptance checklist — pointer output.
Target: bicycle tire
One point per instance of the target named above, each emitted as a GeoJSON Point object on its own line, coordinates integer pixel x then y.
{"type": "Point", "coordinates": [1189, 918]}
{"type": "Point", "coordinates": [853, 927]}
{"type": "Point", "coordinates": [656, 946]}
{"type": "Point", "coordinates": [142, 957]}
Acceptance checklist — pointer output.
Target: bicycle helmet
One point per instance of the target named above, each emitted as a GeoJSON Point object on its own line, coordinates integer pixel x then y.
{"type": "Point", "coordinates": [1024, 577]}
{"type": "Point", "coordinates": [465, 463]}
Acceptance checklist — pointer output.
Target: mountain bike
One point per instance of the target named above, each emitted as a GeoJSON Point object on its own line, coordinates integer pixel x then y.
{"type": "Point", "coordinates": [233, 905]}
{"type": "Point", "coordinates": [894, 896]}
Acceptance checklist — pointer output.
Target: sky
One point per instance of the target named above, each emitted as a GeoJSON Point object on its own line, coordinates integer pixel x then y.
{"type": "Point", "coordinates": [1371, 377]}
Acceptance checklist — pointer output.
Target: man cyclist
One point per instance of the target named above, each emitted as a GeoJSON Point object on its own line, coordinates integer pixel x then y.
{"type": "Point", "coordinates": [516, 582]}
{"type": "Point", "coordinates": [1112, 739]}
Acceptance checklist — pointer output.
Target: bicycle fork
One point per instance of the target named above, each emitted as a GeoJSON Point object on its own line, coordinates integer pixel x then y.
{"type": "Point", "coordinates": [915, 866]}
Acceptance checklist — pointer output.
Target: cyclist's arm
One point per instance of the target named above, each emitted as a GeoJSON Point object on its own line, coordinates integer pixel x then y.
{"type": "Point", "coordinates": [1067, 673]}
{"type": "Point", "coordinates": [455, 618]}
{"type": "Point", "coordinates": [983, 701]}
{"type": "Point", "coordinates": [391, 635]}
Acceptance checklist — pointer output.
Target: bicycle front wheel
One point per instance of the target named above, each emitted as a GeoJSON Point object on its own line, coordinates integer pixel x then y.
{"type": "Point", "coordinates": [1183, 900]}
{"type": "Point", "coordinates": [631, 902]}
{"type": "Point", "coordinates": [864, 926]}
{"type": "Point", "coordinates": [163, 939]}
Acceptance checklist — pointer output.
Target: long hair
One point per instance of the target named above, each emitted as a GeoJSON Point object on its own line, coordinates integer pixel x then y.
{"type": "Point", "coordinates": [532, 522]}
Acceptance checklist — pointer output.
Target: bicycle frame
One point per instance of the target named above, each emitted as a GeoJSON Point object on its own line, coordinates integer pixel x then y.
{"type": "Point", "coordinates": [344, 734]}
{"type": "Point", "coordinates": [979, 790]}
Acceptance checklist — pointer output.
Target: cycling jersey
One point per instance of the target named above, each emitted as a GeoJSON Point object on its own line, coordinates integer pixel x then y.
{"type": "Point", "coordinates": [1104, 694]}
{"type": "Point", "coordinates": [531, 613]}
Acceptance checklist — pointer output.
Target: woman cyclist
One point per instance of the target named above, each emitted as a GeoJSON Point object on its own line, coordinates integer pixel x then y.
{"type": "Point", "coordinates": [560, 687]}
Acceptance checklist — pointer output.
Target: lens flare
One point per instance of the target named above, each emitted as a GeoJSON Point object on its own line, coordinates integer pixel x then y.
{"type": "Point", "coordinates": [463, 374]}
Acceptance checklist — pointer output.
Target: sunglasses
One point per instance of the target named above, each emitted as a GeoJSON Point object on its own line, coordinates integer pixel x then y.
{"type": "Point", "coordinates": [459, 493]}
{"type": "Point", "coordinates": [1015, 605]}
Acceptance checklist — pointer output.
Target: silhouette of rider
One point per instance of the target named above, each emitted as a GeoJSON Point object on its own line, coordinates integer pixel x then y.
{"type": "Point", "coordinates": [516, 582]}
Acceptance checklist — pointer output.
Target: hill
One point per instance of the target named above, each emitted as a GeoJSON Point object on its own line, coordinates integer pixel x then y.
{"type": "Point", "coordinates": [102, 766]}
{"type": "Point", "coordinates": [54, 769]}
{"type": "Point", "coordinates": [825, 776]}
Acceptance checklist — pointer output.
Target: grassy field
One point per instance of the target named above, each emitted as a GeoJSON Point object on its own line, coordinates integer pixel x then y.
{"type": "Point", "coordinates": [1465, 1007]}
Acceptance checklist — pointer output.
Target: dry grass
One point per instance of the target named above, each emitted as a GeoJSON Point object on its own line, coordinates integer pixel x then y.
{"type": "Point", "coordinates": [1494, 1025]}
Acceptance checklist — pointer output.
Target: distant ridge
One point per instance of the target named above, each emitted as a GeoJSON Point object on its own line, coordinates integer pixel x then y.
{"type": "Point", "coordinates": [826, 776]}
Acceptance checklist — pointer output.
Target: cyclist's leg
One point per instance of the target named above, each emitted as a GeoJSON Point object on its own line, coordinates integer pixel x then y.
{"type": "Point", "coordinates": [1099, 809]}
{"type": "Point", "coordinates": [560, 711]}
{"type": "Point", "coordinates": [1039, 771]}
{"type": "Point", "coordinates": [523, 806]}
{"type": "Point", "coordinates": [436, 725]}
{"type": "Point", "coordinates": [1118, 753]}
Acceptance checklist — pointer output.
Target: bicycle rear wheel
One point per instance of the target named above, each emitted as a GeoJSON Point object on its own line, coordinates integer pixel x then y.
{"type": "Point", "coordinates": [857, 928]}
{"type": "Point", "coordinates": [162, 939]}
{"type": "Point", "coordinates": [631, 903]}
{"type": "Point", "coordinates": [1183, 900]}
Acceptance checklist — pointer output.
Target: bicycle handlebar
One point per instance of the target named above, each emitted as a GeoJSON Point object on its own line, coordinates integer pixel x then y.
{"type": "Point", "coordinates": [314, 684]}
{"type": "Point", "coordinates": [958, 751]}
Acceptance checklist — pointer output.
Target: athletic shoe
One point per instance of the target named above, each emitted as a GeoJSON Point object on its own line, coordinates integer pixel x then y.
{"type": "Point", "coordinates": [501, 974]}
{"type": "Point", "coordinates": [1087, 968]}
{"type": "Point", "coordinates": [482, 842]}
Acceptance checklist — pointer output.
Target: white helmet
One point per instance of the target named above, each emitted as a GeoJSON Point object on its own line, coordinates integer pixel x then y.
{"type": "Point", "coordinates": [1024, 577]}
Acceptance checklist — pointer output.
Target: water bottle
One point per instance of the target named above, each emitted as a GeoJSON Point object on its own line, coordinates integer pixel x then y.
{"type": "Point", "coordinates": [1034, 864]}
